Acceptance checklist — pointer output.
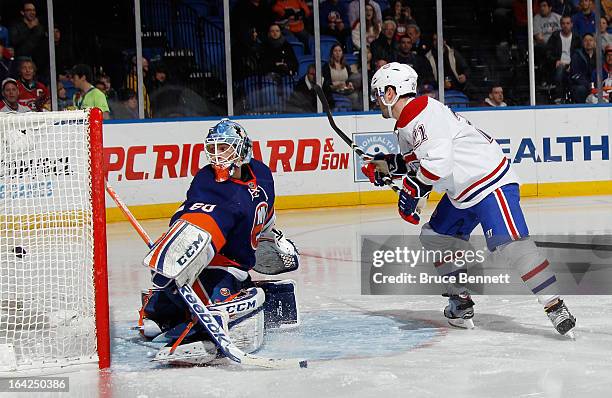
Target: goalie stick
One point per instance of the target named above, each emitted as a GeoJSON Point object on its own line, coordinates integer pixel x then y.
{"type": "Point", "coordinates": [364, 156]}
{"type": "Point", "coordinates": [201, 312]}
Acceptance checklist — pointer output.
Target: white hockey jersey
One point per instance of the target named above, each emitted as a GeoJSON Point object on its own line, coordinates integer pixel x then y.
{"type": "Point", "coordinates": [454, 156]}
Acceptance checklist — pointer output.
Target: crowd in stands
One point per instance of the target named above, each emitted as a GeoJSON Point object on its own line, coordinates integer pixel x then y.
{"type": "Point", "coordinates": [273, 43]}
{"type": "Point", "coordinates": [565, 48]}
{"type": "Point", "coordinates": [564, 33]}
{"type": "Point", "coordinates": [24, 73]}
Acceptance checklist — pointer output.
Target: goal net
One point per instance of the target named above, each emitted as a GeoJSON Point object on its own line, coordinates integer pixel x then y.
{"type": "Point", "coordinates": [53, 285]}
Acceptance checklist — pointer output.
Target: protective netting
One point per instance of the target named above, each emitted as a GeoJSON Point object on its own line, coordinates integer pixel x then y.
{"type": "Point", "coordinates": [46, 240]}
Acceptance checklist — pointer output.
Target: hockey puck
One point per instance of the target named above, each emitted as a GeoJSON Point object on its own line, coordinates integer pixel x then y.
{"type": "Point", "coordinates": [19, 251]}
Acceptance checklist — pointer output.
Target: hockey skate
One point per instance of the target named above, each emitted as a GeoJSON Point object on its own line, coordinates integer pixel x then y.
{"type": "Point", "coordinates": [561, 318]}
{"type": "Point", "coordinates": [460, 310]}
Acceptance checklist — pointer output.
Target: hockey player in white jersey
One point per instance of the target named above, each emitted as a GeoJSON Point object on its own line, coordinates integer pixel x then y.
{"type": "Point", "coordinates": [441, 150]}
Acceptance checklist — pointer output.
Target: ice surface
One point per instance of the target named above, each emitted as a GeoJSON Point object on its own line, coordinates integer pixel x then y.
{"type": "Point", "coordinates": [377, 346]}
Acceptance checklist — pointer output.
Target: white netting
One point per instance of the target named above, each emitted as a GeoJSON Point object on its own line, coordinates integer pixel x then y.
{"type": "Point", "coordinates": [46, 239]}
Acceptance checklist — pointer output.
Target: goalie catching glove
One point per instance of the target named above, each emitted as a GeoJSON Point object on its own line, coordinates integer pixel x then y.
{"type": "Point", "coordinates": [276, 254]}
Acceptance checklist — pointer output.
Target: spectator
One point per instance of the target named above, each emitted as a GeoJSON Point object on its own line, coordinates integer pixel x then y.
{"type": "Point", "coordinates": [418, 45]}
{"type": "Point", "coordinates": [545, 23]}
{"type": "Point", "coordinates": [370, 64]}
{"type": "Point", "coordinates": [379, 64]}
{"type": "Point", "coordinates": [496, 96]}
{"type": "Point", "coordinates": [291, 14]}
{"type": "Point", "coordinates": [455, 66]}
{"type": "Point", "coordinates": [606, 5]}
{"type": "Point", "coordinates": [160, 77]}
{"type": "Point", "coordinates": [406, 56]}
{"type": "Point", "coordinates": [64, 56]}
{"type": "Point", "coordinates": [561, 46]}
{"type": "Point", "coordinates": [563, 7]}
{"type": "Point", "coordinates": [606, 38]}
{"type": "Point", "coordinates": [336, 73]}
{"type": "Point", "coordinates": [132, 83]}
{"type": "Point", "coordinates": [10, 97]}
{"type": "Point", "coordinates": [402, 15]}
{"type": "Point", "coordinates": [582, 68]}
{"type": "Point", "coordinates": [32, 93]}
{"type": "Point", "coordinates": [353, 11]}
{"type": "Point", "coordinates": [107, 89]}
{"type": "Point", "coordinates": [304, 99]}
{"type": "Point", "coordinates": [278, 55]}
{"type": "Point", "coordinates": [385, 47]}
{"type": "Point", "coordinates": [606, 80]}
{"type": "Point", "coordinates": [248, 14]}
{"type": "Point", "coordinates": [101, 86]}
{"type": "Point", "coordinates": [399, 12]}
{"type": "Point", "coordinates": [63, 102]}
{"type": "Point", "coordinates": [127, 108]}
{"type": "Point", "coordinates": [247, 55]}
{"type": "Point", "coordinates": [6, 61]}
{"type": "Point", "coordinates": [334, 20]}
{"type": "Point", "coordinates": [584, 21]}
{"type": "Point", "coordinates": [373, 28]}
{"type": "Point", "coordinates": [88, 96]}
{"type": "Point", "coordinates": [29, 36]}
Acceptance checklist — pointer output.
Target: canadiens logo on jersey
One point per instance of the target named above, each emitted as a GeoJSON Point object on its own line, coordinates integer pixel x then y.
{"type": "Point", "coordinates": [418, 136]}
{"type": "Point", "coordinates": [259, 221]}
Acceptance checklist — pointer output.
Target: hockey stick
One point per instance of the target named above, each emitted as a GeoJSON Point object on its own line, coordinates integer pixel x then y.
{"type": "Point", "coordinates": [364, 156]}
{"type": "Point", "coordinates": [319, 91]}
{"type": "Point", "coordinates": [201, 312]}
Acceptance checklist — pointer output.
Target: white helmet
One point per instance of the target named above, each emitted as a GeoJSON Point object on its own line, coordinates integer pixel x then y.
{"type": "Point", "coordinates": [400, 76]}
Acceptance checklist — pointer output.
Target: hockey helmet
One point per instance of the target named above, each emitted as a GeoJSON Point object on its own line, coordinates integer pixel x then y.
{"type": "Point", "coordinates": [399, 76]}
{"type": "Point", "coordinates": [227, 147]}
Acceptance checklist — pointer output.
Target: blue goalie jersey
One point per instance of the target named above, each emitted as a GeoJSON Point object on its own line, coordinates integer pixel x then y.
{"type": "Point", "coordinates": [234, 212]}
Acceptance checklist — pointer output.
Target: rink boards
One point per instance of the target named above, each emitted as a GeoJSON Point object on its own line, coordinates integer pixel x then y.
{"type": "Point", "coordinates": [555, 152]}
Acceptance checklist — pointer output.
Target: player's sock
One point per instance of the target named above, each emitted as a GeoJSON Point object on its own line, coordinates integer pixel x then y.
{"type": "Point", "coordinates": [460, 310]}
{"type": "Point", "coordinates": [560, 317]}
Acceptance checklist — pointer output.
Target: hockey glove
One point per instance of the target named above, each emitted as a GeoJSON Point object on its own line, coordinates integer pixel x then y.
{"type": "Point", "coordinates": [383, 165]}
{"type": "Point", "coordinates": [413, 190]}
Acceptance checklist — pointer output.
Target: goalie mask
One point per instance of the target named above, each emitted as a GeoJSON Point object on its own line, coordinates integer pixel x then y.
{"type": "Point", "coordinates": [227, 147]}
{"type": "Point", "coordinates": [399, 76]}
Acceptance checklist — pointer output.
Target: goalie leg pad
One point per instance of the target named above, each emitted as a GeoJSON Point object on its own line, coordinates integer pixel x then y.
{"type": "Point", "coordinates": [161, 311]}
{"type": "Point", "coordinates": [242, 317]}
{"type": "Point", "coordinates": [281, 307]}
{"type": "Point", "coordinates": [190, 345]}
{"type": "Point", "coordinates": [164, 311]}
{"type": "Point", "coordinates": [246, 318]}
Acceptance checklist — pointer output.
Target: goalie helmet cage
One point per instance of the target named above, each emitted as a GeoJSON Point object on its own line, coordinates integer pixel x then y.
{"type": "Point", "coordinates": [53, 280]}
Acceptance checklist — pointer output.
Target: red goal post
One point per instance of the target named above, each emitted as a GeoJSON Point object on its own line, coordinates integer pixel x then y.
{"type": "Point", "coordinates": [54, 308]}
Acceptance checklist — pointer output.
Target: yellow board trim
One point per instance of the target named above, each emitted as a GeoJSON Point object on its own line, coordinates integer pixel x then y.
{"type": "Point", "coordinates": [551, 189]}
